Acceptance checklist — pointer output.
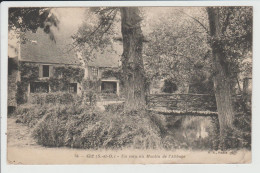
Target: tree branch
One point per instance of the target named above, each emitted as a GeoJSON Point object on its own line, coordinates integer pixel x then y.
{"type": "Point", "coordinates": [206, 29]}
{"type": "Point", "coordinates": [98, 27]}
{"type": "Point", "coordinates": [225, 24]}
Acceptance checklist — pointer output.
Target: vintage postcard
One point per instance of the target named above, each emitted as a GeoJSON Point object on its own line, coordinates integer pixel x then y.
{"type": "Point", "coordinates": [129, 85]}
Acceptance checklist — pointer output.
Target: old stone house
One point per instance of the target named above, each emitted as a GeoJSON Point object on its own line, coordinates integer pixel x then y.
{"type": "Point", "coordinates": [105, 62]}
{"type": "Point", "coordinates": [43, 66]}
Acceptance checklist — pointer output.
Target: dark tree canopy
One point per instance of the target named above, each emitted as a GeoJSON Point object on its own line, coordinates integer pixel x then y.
{"type": "Point", "coordinates": [30, 19]}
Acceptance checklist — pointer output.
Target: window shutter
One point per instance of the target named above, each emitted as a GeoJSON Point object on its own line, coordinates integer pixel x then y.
{"type": "Point", "coordinates": [51, 71]}
{"type": "Point", "coordinates": [40, 71]}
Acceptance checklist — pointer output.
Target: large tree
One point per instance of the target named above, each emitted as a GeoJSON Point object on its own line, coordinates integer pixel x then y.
{"type": "Point", "coordinates": [132, 61]}
{"type": "Point", "coordinates": [214, 44]}
{"type": "Point", "coordinates": [231, 38]}
{"type": "Point", "coordinates": [95, 36]}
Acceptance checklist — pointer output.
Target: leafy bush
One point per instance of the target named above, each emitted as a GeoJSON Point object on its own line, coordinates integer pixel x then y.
{"type": "Point", "coordinates": [91, 96]}
{"type": "Point", "coordinates": [30, 114]}
{"type": "Point", "coordinates": [79, 125]}
{"type": "Point", "coordinates": [92, 129]}
{"type": "Point", "coordinates": [117, 107]}
{"type": "Point", "coordinates": [239, 136]}
{"type": "Point", "coordinates": [42, 104]}
{"type": "Point", "coordinates": [53, 98]}
{"type": "Point", "coordinates": [110, 96]}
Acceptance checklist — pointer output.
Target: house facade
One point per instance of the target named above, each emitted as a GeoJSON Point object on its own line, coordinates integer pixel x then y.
{"type": "Point", "coordinates": [43, 66]}
{"type": "Point", "coordinates": [97, 69]}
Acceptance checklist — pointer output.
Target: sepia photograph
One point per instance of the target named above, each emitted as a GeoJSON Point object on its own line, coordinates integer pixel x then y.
{"type": "Point", "coordinates": [129, 85]}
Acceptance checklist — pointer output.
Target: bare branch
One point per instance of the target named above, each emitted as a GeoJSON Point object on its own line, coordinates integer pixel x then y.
{"type": "Point", "coordinates": [98, 27]}
{"type": "Point", "coordinates": [206, 29]}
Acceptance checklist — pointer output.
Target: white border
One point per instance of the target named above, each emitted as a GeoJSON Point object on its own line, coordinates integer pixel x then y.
{"type": "Point", "coordinates": [239, 168]}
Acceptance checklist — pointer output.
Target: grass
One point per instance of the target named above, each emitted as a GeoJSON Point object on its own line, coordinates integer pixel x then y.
{"type": "Point", "coordinates": [83, 126]}
{"type": "Point", "coordinates": [78, 125]}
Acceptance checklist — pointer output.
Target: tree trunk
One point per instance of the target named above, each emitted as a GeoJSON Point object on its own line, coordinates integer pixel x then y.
{"type": "Point", "coordinates": [222, 85]}
{"type": "Point", "coordinates": [132, 62]}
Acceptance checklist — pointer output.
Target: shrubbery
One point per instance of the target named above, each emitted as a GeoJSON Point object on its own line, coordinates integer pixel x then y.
{"type": "Point", "coordinates": [53, 98]}
{"type": "Point", "coordinates": [63, 119]}
{"type": "Point", "coordinates": [30, 114]}
{"type": "Point", "coordinates": [77, 125]}
{"type": "Point", "coordinates": [92, 129]}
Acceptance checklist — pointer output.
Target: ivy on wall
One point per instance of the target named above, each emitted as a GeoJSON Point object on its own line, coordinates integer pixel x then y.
{"type": "Point", "coordinates": [29, 72]}
{"type": "Point", "coordinates": [62, 76]}
{"type": "Point", "coordinates": [107, 73]}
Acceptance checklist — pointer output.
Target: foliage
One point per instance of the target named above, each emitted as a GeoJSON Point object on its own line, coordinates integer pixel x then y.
{"type": "Point", "coordinates": [117, 72]}
{"type": "Point", "coordinates": [237, 137]}
{"type": "Point", "coordinates": [111, 96]}
{"type": "Point", "coordinates": [114, 107]}
{"type": "Point", "coordinates": [96, 32]}
{"type": "Point", "coordinates": [179, 45]}
{"type": "Point", "coordinates": [20, 93]}
{"type": "Point", "coordinates": [39, 103]}
{"type": "Point", "coordinates": [30, 114]}
{"type": "Point", "coordinates": [202, 87]}
{"type": "Point", "coordinates": [91, 129]}
{"type": "Point", "coordinates": [79, 125]}
{"type": "Point", "coordinates": [59, 81]}
{"type": "Point", "coordinates": [64, 75]}
{"type": "Point", "coordinates": [32, 18]}
{"type": "Point", "coordinates": [91, 90]}
{"type": "Point", "coordinates": [53, 98]}
{"type": "Point", "coordinates": [230, 40]}
{"type": "Point", "coordinates": [69, 72]}
{"type": "Point", "coordinates": [29, 72]}
{"type": "Point", "coordinates": [235, 39]}
{"type": "Point", "coordinates": [177, 48]}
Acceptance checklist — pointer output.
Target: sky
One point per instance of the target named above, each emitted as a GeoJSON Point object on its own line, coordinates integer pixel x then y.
{"type": "Point", "coordinates": [71, 18]}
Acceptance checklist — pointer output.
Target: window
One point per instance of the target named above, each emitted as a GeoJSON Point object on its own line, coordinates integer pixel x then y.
{"type": "Point", "coordinates": [38, 87]}
{"type": "Point", "coordinates": [94, 71]}
{"type": "Point", "coordinates": [45, 71]}
{"type": "Point", "coordinates": [108, 87]}
{"type": "Point", "coordinates": [73, 88]}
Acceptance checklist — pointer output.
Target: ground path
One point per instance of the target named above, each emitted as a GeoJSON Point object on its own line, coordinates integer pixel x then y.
{"type": "Point", "coordinates": [18, 135]}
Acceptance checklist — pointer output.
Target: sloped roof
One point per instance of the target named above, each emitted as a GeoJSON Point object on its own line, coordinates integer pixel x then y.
{"type": "Point", "coordinates": [40, 48]}
{"type": "Point", "coordinates": [106, 59]}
